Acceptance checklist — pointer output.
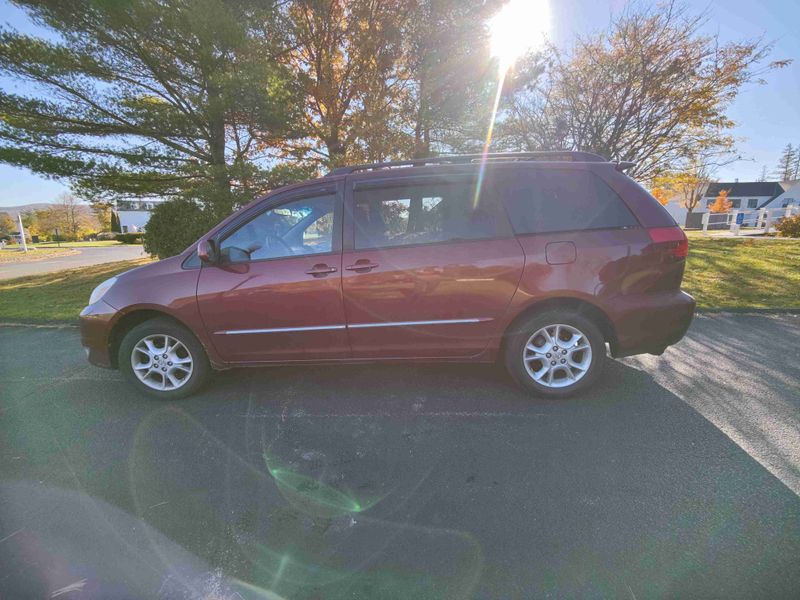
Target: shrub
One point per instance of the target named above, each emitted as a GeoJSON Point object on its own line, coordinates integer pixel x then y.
{"type": "Point", "coordinates": [789, 227]}
{"type": "Point", "coordinates": [174, 226]}
{"type": "Point", "coordinates": [130, 238]}
{"type": "Point", "coordinates": [107, 235]}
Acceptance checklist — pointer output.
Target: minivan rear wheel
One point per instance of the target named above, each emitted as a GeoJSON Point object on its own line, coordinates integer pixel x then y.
{"type": "Point", "coordinates": [555, 354]}
{"type": "Point", "coordinates": [163, 359]}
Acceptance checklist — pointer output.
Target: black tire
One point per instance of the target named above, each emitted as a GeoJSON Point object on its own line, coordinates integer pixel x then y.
{"type": "Point", "coordinates": [517, 339]}
{"type": "Point", "coordinates": [201, 368]}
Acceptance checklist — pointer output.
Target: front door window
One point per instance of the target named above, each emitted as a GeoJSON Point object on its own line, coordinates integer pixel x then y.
{"type": "Point", "coordinates": [297, 228]}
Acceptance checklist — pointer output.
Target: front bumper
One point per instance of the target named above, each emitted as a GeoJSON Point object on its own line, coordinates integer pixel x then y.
{"type": "Point", "coordinates": [650, 322]}
{"type": "Point", "coordinates": [96, 321]}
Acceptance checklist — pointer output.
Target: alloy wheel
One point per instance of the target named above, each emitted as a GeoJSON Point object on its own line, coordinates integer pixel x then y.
{"type": "Point", "coordinates": [162, 362]}
{"type": "Point", "coordinates": [557, 356]}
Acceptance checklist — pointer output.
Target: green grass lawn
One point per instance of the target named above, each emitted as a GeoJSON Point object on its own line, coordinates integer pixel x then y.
{"type": "Point", "coordinates": [12, 254]}
{"type": "Point", "coordinates": [744, 273]}
{"type": "Point", "coordinates": [722, 274]}
{"type": "Point", "coordinates": [55, 297]}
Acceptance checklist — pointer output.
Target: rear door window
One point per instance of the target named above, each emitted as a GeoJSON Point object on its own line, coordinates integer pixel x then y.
{"type": "Point", "coordinates": [546, 201]}
{"type": "Point", "coordinates": [425, 213]}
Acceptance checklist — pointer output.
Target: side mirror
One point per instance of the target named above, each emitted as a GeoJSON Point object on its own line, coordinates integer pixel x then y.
{"type": "Point", "coordinates": [207, 251]}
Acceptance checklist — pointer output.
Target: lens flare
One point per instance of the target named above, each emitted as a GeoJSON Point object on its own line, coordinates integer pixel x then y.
{"type": "Point", "coordinates": [520, 26]}
{"type": "Point", "coordinates": [314, 497]}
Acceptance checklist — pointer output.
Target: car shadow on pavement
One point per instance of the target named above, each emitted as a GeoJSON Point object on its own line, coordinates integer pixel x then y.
{"type": "Point", "coordinates": [623, 483]}
{"type": "Point", "coordinates": [390, 481]}
{"type": "Point", "coordinates": [741, 373]}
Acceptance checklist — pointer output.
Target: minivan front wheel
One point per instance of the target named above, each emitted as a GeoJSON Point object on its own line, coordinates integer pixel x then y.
{"type": "Point", "coordinates": [163, 359]}
{"type": "Point", "coordinates": [555, 354]}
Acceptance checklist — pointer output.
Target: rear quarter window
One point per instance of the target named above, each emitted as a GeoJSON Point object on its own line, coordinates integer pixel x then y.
{"type": "Point", "coordinates": [547, 201]}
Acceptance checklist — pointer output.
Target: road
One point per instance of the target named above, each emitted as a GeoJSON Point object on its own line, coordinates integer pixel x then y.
{"type": "Point", "coordinates": [674, 477]}
{"type": "Point", "coordinates": [86, 257]}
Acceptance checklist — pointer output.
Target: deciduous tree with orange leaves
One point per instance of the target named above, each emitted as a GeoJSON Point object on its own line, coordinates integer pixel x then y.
{"type": "Point", "coordinates": [661, 194]}
{"type": "Point", "coordinates": [687, 185]}
{"type": "Point", "coordinates": [721, 203]}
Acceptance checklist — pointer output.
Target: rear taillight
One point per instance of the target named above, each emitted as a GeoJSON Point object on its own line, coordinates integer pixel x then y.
{"type": "Point", "coordinates": [671, 239]}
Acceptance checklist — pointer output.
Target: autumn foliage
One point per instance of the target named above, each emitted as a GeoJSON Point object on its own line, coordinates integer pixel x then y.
{"type": "Point", "coordinates": [688, 186]}
{"type": "Point", "coordinates": [660, 194]}
{"type": "Point", "coordinates": [220, 101]}
{"type": "Point", "coordinates": [721, 203]}
{"type": "Point", "coordinates": [789, 227]}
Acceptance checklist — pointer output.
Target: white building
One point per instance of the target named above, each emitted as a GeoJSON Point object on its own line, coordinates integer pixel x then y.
{"type": "Point", "coordinates": [746, 195]}
{"type": "Point", "coordinates": [134, 214]}
{"type": "Point", "coordinates": [676, 209]}
{"type": "Point", "coordinates": [742, 195]}
{"type": "Point", "coordinates": [790, 197]}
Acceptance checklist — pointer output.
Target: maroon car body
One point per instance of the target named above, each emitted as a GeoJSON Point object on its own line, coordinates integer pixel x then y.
{"type": "Point", "coordinates": [453, 300]}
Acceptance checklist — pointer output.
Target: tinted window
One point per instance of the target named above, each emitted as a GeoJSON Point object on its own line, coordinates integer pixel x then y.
{"type": "Point", "coordinates": [193, 262]}
{"type": "Point", "coordinates": [296, 228]}
{"type": "Point", "coordinates": [425, 214]}
{"type": "Point", "coordinates": [546, 201]}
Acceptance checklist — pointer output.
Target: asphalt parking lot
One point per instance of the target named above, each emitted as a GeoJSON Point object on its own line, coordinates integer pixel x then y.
{"type": "Point", "coordinates": [675, 477]}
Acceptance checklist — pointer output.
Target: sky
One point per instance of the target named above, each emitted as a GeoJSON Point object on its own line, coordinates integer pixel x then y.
{"type": "Point", "coordinates": [767, 116]}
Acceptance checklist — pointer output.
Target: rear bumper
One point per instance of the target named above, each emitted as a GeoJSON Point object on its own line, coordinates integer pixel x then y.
{"type": "Point", "coordinates": [649, 322]}
{"type": "Point", "coordinates": [96, 322]}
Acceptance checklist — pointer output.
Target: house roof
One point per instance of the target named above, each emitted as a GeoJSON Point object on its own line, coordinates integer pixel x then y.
{"type": "Point", "coordinates": [741, 189]}
{"type": "Point", "coordinates": [788, 186]}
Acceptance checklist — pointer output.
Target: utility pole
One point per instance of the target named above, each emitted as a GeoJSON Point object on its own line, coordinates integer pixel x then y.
{"type": "Point", "coordinates": [22, 233]}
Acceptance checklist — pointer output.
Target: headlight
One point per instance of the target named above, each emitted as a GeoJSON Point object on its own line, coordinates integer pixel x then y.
{"type": "Point", "coordinates": [101, 290]}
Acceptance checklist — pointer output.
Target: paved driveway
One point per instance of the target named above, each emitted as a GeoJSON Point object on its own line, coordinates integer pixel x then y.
{"type": "Point", "coordinates": [85, 258]}
{"type": "Point", "coordinates": [673, 477]}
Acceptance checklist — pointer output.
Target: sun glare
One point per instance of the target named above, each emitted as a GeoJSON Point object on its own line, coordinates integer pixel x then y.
{"type": "Point", "coordinates": [520, 26]}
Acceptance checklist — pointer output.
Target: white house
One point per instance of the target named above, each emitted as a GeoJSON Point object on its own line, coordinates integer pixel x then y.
{"type": "Point", "coordinates": [134, 214]}
{"type": "Point", "coordinates": [675, 208]}
{"type": "Point", "coordinates": [790, 197]}
{"type": "Point", "coordinates": [743, 195]}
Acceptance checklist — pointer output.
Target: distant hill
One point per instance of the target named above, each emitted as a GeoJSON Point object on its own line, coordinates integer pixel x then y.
{"type": "Point", "coordinates": [15, 210]}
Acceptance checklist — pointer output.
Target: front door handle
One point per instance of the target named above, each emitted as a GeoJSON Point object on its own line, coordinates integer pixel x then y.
{"type": "Point", "coordinates": [362, 265]}
{"type": "Point", "coordinates": [321, 270]}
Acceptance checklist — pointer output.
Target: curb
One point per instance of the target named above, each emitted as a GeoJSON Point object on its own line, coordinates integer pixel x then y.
{"type": "Point", "coordinates": [748, 311]}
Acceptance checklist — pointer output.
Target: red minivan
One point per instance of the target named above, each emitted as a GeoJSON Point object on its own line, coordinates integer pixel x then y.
{"type": "Point", "coordinates": [540, 260]}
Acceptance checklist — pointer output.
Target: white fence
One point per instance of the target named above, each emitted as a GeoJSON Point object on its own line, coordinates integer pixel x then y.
{"type": "Point", "coordinates": [756, 221]}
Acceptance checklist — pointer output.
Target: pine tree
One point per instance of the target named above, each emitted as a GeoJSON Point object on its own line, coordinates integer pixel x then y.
{"type": "Point", "coordinates": [148, 98]}
{"type": "Point", "coordinates": [786, 164]}
{"type": "Point", "coordinates": [796, 174]}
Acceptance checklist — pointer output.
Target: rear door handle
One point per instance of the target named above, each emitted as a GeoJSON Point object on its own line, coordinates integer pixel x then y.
{"type": "Point", "coordinates": [362, 266]}
{"type": "Point", "coordinates": [321, 270]}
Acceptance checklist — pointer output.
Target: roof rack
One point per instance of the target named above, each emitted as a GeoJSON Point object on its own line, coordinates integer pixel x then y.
{"type": "Point", "coordinates": [460, 159]}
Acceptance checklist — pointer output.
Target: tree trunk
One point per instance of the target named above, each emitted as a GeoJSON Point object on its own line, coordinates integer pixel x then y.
{"type": "Point", "coordinates": [422, 146]}
{"type": "Point", "coordinates": [336, 150]}
{"type": "Point", "coordinates": [217, 150]}
{"type": "Point", "coordinates": [221, 198]}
